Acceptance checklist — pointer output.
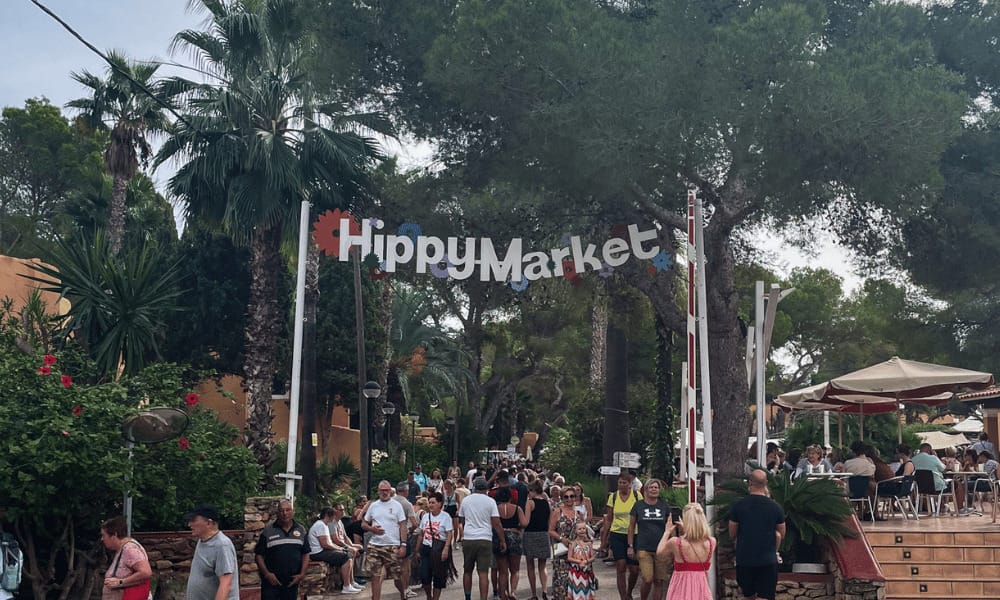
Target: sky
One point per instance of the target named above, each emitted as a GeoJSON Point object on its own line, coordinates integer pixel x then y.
{"type": "Point", "coordinates": [39, 55]}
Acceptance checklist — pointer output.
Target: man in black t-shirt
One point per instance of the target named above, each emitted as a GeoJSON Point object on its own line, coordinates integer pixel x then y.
{"type": "Point", "coordinates": [756, 526]}
{"type": "Point", "coordinates": [647, 522]}
{"type": "Point", "coordinates": [282, 555]}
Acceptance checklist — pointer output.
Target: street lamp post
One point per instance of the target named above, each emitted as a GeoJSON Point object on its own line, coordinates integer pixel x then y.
{"type": "Point", "coordinates": [388, 409]}
{"type": "Point", "coordinates": [414, 417]}
{"type": "Point", "coordinates": [454, 449]}
{"type": "Point", "coordinates": [370, 391]}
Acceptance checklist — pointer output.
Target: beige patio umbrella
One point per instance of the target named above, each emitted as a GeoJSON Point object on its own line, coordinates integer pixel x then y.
{"type": "Point", "coordinates": [888, 383]}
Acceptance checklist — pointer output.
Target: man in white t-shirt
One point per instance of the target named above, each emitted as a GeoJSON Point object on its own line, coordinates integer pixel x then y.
{"type": "Point", "coordinates": [387, 522]}
{"type": "Point", "coordinates": [481, 519]}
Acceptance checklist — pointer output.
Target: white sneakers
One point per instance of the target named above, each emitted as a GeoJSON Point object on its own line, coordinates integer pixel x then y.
{"type": "Point", "coordinates": [351, 589]}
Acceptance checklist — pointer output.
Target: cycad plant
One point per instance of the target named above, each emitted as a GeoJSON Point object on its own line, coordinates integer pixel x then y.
{"type": "Point", "coordinates": [119, 304]}
{"type": "Point", "coordinates": [815, 509]}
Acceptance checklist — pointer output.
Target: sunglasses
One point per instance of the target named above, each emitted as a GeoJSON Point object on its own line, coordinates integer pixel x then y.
{"type": "Point", "coordinates": [568, 496]}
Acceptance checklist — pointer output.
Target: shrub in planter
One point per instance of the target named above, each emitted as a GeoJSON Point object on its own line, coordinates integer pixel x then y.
{"type": "Point", "coordinates": [815, 509]}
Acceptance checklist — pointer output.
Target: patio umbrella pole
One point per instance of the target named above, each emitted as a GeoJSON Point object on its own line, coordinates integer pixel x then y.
{"type": "Point", "coordinates": [840, 429]}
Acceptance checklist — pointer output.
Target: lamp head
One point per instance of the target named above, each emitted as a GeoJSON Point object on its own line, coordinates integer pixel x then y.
{"type": "Point", "coordinates": [388, 408]}
{"type": "Point", "coordinates": [371, 390]}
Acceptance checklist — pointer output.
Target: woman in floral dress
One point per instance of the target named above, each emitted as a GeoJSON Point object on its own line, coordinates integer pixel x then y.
{"type": "Point", "coordinates": [561, 524]}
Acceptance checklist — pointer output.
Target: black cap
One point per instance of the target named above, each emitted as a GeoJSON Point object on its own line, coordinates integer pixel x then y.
{"type": "Point", "coordinates": [205, 510]}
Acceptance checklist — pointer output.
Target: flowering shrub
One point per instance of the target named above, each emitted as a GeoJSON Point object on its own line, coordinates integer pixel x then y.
{"type": "Point", "coordinates": [64, 468]}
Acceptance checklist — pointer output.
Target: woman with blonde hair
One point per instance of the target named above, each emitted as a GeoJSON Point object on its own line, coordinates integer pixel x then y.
{"type": "Point", "coordinates": [691, 552]}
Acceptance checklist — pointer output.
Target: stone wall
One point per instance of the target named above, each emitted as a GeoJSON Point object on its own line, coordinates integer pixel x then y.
{"type": "Point", "coordinates": [170, 554]}
{"type": "Point", "coordinates": [790, 586]}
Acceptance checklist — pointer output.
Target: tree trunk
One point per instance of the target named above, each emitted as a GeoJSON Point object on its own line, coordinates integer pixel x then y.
{"type": "Point", "coordinates": [598, 343]}
{"type": "Point", "coordinates": [307, 452]}
{"type": "Point", "coordinates": [116, 213]}
{"type": "Point", "coordinates": [263, 318]}
{"type": "Point", "coordinates": [727, 346]}
{"type": "Point", "coordinates": [616, 423]}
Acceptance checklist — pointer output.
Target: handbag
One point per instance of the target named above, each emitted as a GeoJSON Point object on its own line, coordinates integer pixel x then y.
{"type": "Point", "coordinates": [559, 550]}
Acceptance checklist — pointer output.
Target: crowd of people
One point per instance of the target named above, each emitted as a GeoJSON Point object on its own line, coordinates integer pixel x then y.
{"type": "Point", "coordinates": [511, 514]}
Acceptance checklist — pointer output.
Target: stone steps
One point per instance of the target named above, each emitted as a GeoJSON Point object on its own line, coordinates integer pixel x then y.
{"type": "Point", "coordinates": [938, 564]}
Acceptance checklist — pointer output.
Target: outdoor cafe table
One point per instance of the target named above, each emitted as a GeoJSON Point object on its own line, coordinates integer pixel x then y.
{"type": "Point", "coordinates": [830, 475]}
{"type": "Point", "coordinates": [966, 475]}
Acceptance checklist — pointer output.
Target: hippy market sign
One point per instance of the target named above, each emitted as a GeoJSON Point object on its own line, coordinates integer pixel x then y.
{"type": "Point", "coordinates": [337, 232]}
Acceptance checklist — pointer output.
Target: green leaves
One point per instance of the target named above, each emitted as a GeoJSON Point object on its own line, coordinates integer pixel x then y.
{"type": "Point", "coordinates": [118, 306]}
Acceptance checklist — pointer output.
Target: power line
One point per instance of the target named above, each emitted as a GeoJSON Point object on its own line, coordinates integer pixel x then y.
{"type": "Point", "coordinates": [116, 68]}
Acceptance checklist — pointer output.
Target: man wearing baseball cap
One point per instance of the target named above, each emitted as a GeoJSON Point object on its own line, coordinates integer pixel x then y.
{"type": "Point", "coordinates": [213, 568]}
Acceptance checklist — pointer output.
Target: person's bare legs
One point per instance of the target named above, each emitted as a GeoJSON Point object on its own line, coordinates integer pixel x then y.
{"type": "Point", "coordinates": [347, 573]}
{"type": "Point", "coordinates": [502, 585]}
{"type": "Point", "coordinates": [644, 589]}
{"type": "Point", "coordinates": [658, 589]}
{"type": "Point", "coordinates": [543, 575]}
{"type": "Point", "coordinates": [531, 578]}
{"type": "Point", "coordinates": [620, 573]}
{"type": "Point", "coordinates": [633, 577]}
{"type": "Point", "coordinates": [376, 586]}
{"type": "Point", "coordinates": [484, 584]}
{"type": "Point", "coordinates": [515, 573]}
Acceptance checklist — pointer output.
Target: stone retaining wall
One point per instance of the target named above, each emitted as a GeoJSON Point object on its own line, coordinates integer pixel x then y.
{"type": "Point", "coordinates": [170, 554]}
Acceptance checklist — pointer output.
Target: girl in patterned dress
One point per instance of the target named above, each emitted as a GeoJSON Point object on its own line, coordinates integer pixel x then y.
{"type": "Point", "coordinates": [581, 585]}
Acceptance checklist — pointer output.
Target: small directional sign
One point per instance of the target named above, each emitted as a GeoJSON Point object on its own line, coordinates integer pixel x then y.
{"type": "Point", "coordinates": [610, 471]}
{"type": "Point", "coordinates": [626, 455]}
{"type": "Point", "coordinates": [627, 460]}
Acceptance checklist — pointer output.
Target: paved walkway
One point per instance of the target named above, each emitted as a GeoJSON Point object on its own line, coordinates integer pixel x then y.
{"type": "Point", "coordinates": [454, 591]}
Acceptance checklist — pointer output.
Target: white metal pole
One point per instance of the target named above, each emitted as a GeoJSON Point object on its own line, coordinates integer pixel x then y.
{"type": "Point", "coordinates": [300, 310]}
{"type": "Point", "coordinates": [691, 356]}
{"type": "Point", "coordinates": [826, 428]}
{"type": "Point", "coordinates": [682, 454]}
{"type": "Point", "coordinates": [759, 353]}
{"type": "Point", "coordinates": [706, 385]}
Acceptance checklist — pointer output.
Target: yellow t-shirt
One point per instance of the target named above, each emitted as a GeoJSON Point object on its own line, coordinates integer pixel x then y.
{"type": "Point", "coordinates": [622, 510]}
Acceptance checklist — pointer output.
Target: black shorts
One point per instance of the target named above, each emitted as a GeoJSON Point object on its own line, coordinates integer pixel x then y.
{"type": "Point", "coordinates": [269, 592]}
{"type": "Point", "coordinates": [760, 581]}
{"type": "Point", "coordinates": [619, 548]}
{"type": "Point", "coordinates": [332, 557]}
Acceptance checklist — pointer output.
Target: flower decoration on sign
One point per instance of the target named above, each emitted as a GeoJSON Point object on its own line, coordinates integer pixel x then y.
{"type": "Point", "coordinates": [370, 261]}
{"type": "Point", "coordinates": [375, 223]}
{"type": "Point", "coordinates": [191, 399]}
{"type": "Point", "coordinates": [440, 269]}
{"type": "Point", "coordinates": [606, 270]}
{"type": "Point", "coordinates": [183, 443]}
{"type": "Point", "coordinates": [326, 230]}
{"type": "Point", "coordinates": [520, 285]}
{"type": "Point", "coordinates": [410, 230]}
{"type": "Point", "coordinates": [78, 411]}
{"type": "Point", "coordinates": [378, 273]}
{"type": "Point", "coordinates": [66, 381]}
{"type": "Point", "coordinates": [45, 370]}
{"type": "Point", "coordinates": [662, 261]}
{"type": "Point", "coordinates": [651, 270]}
{"type": "Point", "coordinates": [49, 360]}
{"type": "Point", "coordinates": [569, 270]}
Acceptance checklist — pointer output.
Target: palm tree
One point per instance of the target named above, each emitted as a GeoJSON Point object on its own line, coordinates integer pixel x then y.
{"type": "Point", "coordinates": [118, 105]}
{"type": "Point", "coordinates": [421, 353]}
{"type": "Point", "coordinates": [256, 143]}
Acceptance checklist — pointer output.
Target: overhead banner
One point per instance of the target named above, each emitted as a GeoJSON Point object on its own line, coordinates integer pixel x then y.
{"type": "Point", "coordinates": [337, 232]}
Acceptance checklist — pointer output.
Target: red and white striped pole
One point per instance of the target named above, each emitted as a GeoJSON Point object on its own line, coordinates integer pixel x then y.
{"type": "Point", "coordinates": [692, 358]}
